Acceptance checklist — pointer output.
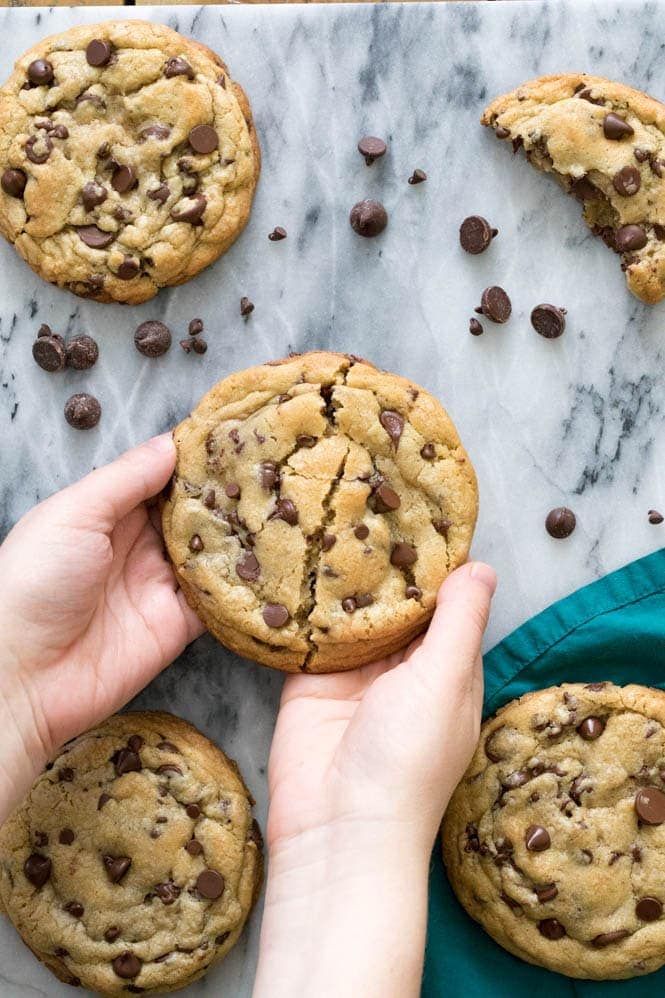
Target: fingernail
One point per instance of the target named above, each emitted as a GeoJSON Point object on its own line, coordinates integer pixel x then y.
{"type": "Point", "coordinates": [485, 574]}
{"type": "Point", "coordinates": [163, 443]}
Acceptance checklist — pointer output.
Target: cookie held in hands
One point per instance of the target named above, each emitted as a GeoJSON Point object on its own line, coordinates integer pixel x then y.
{"type": "Point", "coordinates": [317, 506]}
{"type": "Point", "coordinates": [554, 839]}
{"type": "Point", "coordinates": [605, 144]}
{"type": "Point", "coordinates": [128, 159]}
{"type": "Point", "coordinates": [134, 862]}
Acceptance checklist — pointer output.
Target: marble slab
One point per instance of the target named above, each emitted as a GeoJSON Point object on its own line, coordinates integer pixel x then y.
{"type": "Point", "coordinates": [578, 421]}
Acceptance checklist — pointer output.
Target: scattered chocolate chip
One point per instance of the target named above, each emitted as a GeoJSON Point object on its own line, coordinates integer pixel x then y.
{"type": "Point", "coordinates": [495, 304]}
{"type": "Point", "coordinates": [82, 411]}
{"type": "Point", "coordinates": [168, 892]}
{"type": "Point", "coordinates": [655, 517]}
{"type": "Point", "coordinates": [650, 805]}
{"type": "Point", "coordinates": [194, 847]}
{"type": "Point", "coordinates": [551, 928]}
{"type": "Point", "coordinates": [608, 938]}
{"type": "Point", "coordinates": [40, 72]}
{"type": "Point", "coordinates": [127, 965]}
{"type": "Point", "coordinates": [203, 139]}
{"type": "Point", "coordinates": [269, 474]}
{"type": "Point", "coordinates": [549, 321]}
{"type": "Point", "coordinates": [126, 761]}
{"type": "Point", "coordinates": [75, 909]}
{"type": "Point", "coordinates": [371, 148]}
{"type": "Point", "coordinates": [129, 268]}
{"type": "Point", "coordinates": [393, 424]}
{"type": "Point", "coordinates": [349, 604]}
{"type": "Point", "coordinates": [13, 182]}
{"type": "Point", "coordinates": [475, 328]}
{"type": "Point", "coordinates": [560, 522]}
{"type": "Point", "coordinates": [246, 307]}
{"type": "Point", "coordinates": [627, 181]}
{"type": "Point", "coordinates": [199, 345]}
{"type": "Point", "coordinates": [49, 353]}
{"type": "Point", "coordinates": [38, 148]}
{"type": "Point", "coordinates": [591, 728]}
{"type": "Point", "coordinates": [82, 352]}
{"type": "Point", "coordinates": [116, 867]}
{"type": "Point", "coordinates": [66, 837]}
{"type": "Point", "coordinates": [123, 179]}
{"type": "Point", "coordinates": [546, 893]}
{"type": "Point", "coordinates": [275, 614]}
{"type": "Point", "coordinates": [413, 592]}
{"type": "Point", "coordinates": [177, 66]}
{"type": "Point", "coordinates": [277, 233]}
{"type": "Point", "coordinates": [475, 234]}
{"type": "Point", "coordinates": [649, 909]}
{"type": "Point", "coordinates": [98, 52]}
{"type": "Point", "coordinates": [189, 209]}
{"type": "Point", "coordinates": [160, 193]}
{"type": "Point", "coordinates": [368, 218]}
{"type": "Point", "coordinates": [537, 838]}
{"type": "Point", "coordinates": [210, 884]}
{"type": "Point", "coordinates": [37, 869]}
{"type": "Point", "coordinates": [328, 541]}
{"type": "Point", "coordinates": [385, 499]}
{"type": "Point", "coordinates": [94, 237]}
{"type": "Point", "coordinates": [615, 127]}
{"type": "Point", "coordinates": [402, 555]}
{"type": "Point", "coordinates": [361, 531]}
{"type": "Point", "coordinates": [629, 238]}
{"type": "Point", "coordinates": [417, 177]}
{"type": "Point", "coordinates": [193, 811]}
{"type": "Point", "coordinates": [152, 338]}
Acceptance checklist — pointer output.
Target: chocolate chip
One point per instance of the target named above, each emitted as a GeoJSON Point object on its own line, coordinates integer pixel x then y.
{"type": "Point", "coordinates": [112, 933]}
{"type": "Point", "coordinates": [127, 965]}
{"type": "Point", "coordinates": [195, 327]}
{"type": "Point", "coordinates": [93, 194]}
{"type": "Point", "coordinates": [41, 839]}
{"type": "Point", "coordinates": [591, 728]}
{"type": "Point", "coordinates": [615, 127]}
{"type": "Point", "coordinates": [363, 600]}
{"type": "Point", "coordinates": [275, 614]}
{"type": "Point", "coordinates": [13, 182]}
{"type": "Point", "coordinates": [475, 327]}
{"type": "Point", "coordinates": [442, 526]}
{"type": "Point", "coordinates": [417, 177]}
{"type": "Point", "coordinates": [38, 148]}
{"type": "Point", "coordinates": [546, 893]}
{"type": "Point", "coordinates": [428, 452]}
{"type": "Point", "coordinates": [629, 238]}
{"type": "Point", "coordinates": [246, 307]}
{"type": "Point", "coordinates": [116, 867]}
{"type": "Point", "coordinates": [94, 237]}
{"type": "Point", "coordinates": [165, 770]}
{"type": "Point", "coordinates": [413, 592]}
{"type": "Point", "coordinates": [40, 72]}
{"type": "Point", "coordinates": [371, 148]}
{"type": "Point", "coordinates": [501, 132]}
{"type": "Point", "coordinates": [221, 938]}
{"type": "Point", "coordinates": [59, 132]}
{"type": "Point", "coordinates": [189, 209]}
{"type": "Point", "coordinates": [608, 938]}
{"type": "Point", "coordinates": [210, 884]}
{"type": "Point", "coordinates": [385, 499]}
{"type": "Point", "coordinates": [160, 193]}
{"type": "Point", "coordinates": [537, 838]}
{"type": "Point", "coordinates": [82, 352]}
{"type": "Point", "coordinates": [66, 837]}
{"type": "Point", "coordinates": [627, 181]}
{"type": "Point", "coordinates": [649, 909]}
{"type": "Point", "coordinates": [60, 952]}
{"type": "Point", "coordinates": [199, 345]}
{"type": "Point", "coordinates": [586, 94]}
{"type": "Point", "coordinates": [75, 909]}
{"type": "Point", "coordinates": [49, 353]}
{"type": "Point", "coordinates": [650, 805]}
{"type": "Point", "coordinates": [393, 424]}
{"type": "Point", "coordinates": [402, 555]}
{"type": "Point", "coordinates": [285, 510]}
{"type": "Point", "coordinates": [66, 775]}
{"type": "Point", "coordinates": [203, 139]}
{"type": "Point", "coordinates": [126, 761]}
{"type": "Point", "coordinates": [277, 234]}
{"type": "Point", "coordinates": [82, 411]}
{"type": "Point", "coordinates": [248, 567]}
{"type": "Point", "coordinates": [349, 604]}
{"type": "Point", "coordinates": [194, 847]}
{"type": "Point", "coordinates": [135, 743]}
{"type": "Point", "coordinates": [305, 440]}
{"type": "Point", "coordinates": [193, 811]}
{"type": "Point", "coordinates": [361, 531]}
{"type": "Point", "coordinates": [195, 543]}
{"type": "Point", "coordinates": [167, 892]}
{"type": "Point", "coordinates": [655, 517]}
{"type": "Point", "coordinates": [123, 179]}
{"type": "Point", "coordinates": [657, 166]}
{"type": "Point", "coordinates": [495, 304]}
{"type": "Point", "coordinates": [177, 66]}
{"type": "Point", "coordinates": [560, 522]}
{"type": "Point", "coordinates": [551, 928]}
{"type": "Point", "coordinates": [549, 321]}
{"type": "Point", "coordinates": [476, 234]}
{"type": "Point", "coordinates": [103, 799]}
{"type": "Point", "coordinates": [269, 474]}
{"type": "Point", "coordinates": [128, 269]}
{"type": "Point", "coordinates": [152, 338]}
{"type": "Point", "coordinates": [98, 52]}
{"type": "Point", "coordinates": [328, 541]}
{"type": "Point", "coordinates": [37, 869]}
{"type": "Point", "coordinates": [368, 218]}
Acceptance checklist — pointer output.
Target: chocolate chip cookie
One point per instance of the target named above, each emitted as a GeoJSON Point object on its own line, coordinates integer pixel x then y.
{"type": "Point", "coordinates": [605, 144]}
{"type": "Point", "coordinates": [318, 504]}
{"type": "Point", "coordinates": [555, 839]}
{"type": "Point", "coordinates": [133, 863]}
{"type": "Point", "coordinates": [128, 159]}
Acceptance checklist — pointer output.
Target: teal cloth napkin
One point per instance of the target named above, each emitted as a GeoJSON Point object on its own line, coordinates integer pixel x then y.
{"type": "Point", "coordinates": [613, 629]}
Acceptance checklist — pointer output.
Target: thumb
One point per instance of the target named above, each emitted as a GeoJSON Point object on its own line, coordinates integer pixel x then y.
{"type": "Point", "coordinates": [106, 495]}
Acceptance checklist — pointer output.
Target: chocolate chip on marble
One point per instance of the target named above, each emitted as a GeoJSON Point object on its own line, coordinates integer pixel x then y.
{"type": "Point", "coordinates": [246, 306]}
{"type": "Point", "coordinates": [152, 338]}
{"type": "Point", "coordinates": [160, 193]}
{"type": "Point", "coordinates": [428, 452]}
{"type": "Point", "coordinates": [116, 867]}
{"type": "Point", "coordinates": [393, 424]}
{"type": "Point", "coordinates": [630, 238]}
{"type": "Point", "coordinates": [417, 177]}
{"type": "Point", "coordinates": [649, 909]}
{"type": "Point", "coordinates": [210, 884]}
{"type": "Point", "coordinates": [13, 182]}
{"type": "Point", "coordinates": [168, 892]}
{"type": "Point", "coordinates": [548, 321]}
{"type": "Point", "coordinates": [82, 411]}
{"type": "Point", "coordinates": [127, 965]}
{"type": "Point", "coordinates": [591, 728]}
{"type": "Point", "coordinates": [99, 52]}
{"type": "Point", "coordinates": [275, 614]}
{"type": "Point", "coordinates": [66, 836]}
{"type": "Point", "coordinates": [615, 127]}
{"type": "Point", "coordinates": [475, 234]}
{"type": "Point", "coordinates": [95, 237]}
{"type": "Point", "coordinates": [537, 838]}
{"type": "Point", "coordinates": [111, 934]}
{"type": "Point", "coordinates": [546, 893]}
{"type": "Point", "coordinates": [203, 139]}
{"type": "Point", "coordinates": [495, 304]}
{"type": "Point", "coordinates": [126, 761]}
{"type": "Point", "coordinates": [403, 555]}
{"type": "Point", "coordinates": [199, 345]}
{"type": "Point", "coordinates": [609, 938]}
{"type": "Point", "coordinates": [49, 353]}
{"type": "Point", "coordinates": [277, 234]}
{"type": "Point", "coordinates": [650, 805]}
{"type": "Point", "coordinates": [368, 218]}
{"type": "Point", "coordinates": [129, 268]}
{"type": "Point", "coordinates": [372, 148]}
{"type": "Point", "coordinates": [475, 327]}
{"type": "Point", "coordinates": [627, 181]}
{"type": "Point", "coordinates": [38, 148]}
{"type": "Point", "coordinates": [560, 522]}
{"type": "Point", "coordinates": [82, 352]}
{"type": "Point", "coordinates": [37, 869]}
{"type": "Point", "coordinates": [655, 517]}
{"type": "Point", "coordinates": [194, 847]}
{"type": "Point", "coordinates": [75, 909]}
{"type": "Point", "coordinates": [177, 66]}
{"type": "Point", "coordinates": [551, 929]}
{"type": "Point", "coordinates": [40, 72]}
{"type": "Point", "coordinates": [189, 209]}
{"type": "Point", "coordinates": [328, 541]}
{"type": "Point", "coordinates": [248, 568]}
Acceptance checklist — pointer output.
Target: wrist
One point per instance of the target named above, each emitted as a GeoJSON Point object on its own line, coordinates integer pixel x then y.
{"type": "Point", "coordinates": [23, 749]}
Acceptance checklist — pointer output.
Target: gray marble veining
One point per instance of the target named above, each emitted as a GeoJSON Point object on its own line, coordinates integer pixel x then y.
{"type": "Point", "coordinates": [576, 421]}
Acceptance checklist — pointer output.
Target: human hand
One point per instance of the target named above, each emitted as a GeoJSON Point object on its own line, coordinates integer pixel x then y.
{"type": "Point", "coordinates": [90, 611]}
{"type": "Point", "coordinates": [362, 767]}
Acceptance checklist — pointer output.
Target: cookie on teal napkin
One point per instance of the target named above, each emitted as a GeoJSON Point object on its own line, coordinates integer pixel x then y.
{"type": "Point", "coordinates": [614, 630]}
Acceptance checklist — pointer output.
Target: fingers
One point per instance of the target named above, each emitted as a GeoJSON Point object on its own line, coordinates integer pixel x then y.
{"type": "Point", "coordinates": [108, 494]}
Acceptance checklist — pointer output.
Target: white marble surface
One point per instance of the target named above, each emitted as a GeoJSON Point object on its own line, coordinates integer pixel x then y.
{"type": "Point", "coordinates": [578, 421]}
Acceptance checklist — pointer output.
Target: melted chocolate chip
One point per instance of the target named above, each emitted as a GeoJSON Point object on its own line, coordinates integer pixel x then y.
{"type": "Point", "coordinates": [75, 909]}
{"type": "Point", "coordinates": [591, 728]}
{"type": "Point", "coordinates": [177, 66]}
{"type": "Point", "coordinates": [627, 181]}
{"type": "Point", "coordinates": [116, 867]}
{"type": "Point", "coordinates": [551, 928]}
{"type": "Point", "coordinates": [99, 52]}
{"type": "Point", "coordinates": [248, 568]}
{"type": "Point", "coordinates": [189, 209]}
{"type": "Point", "coordinates": [608, 938]}
{"type": "Point", "coordinates": [537, 838]}
{"type": "Point", "coordinates": [275, 614]}
{"type": "Point", "coordinates": [285, 510]}
{"type": "Point", "coordinates": [168, 892]}
{"type": "Point", "coordinates": [615, 127]}
{"type": "Point", "coordinates": [127, 965]}
{"type": "Point", "coordinates": [66, 837]}
{"type": "Point", "coordinates": [403, 555]}
{"type": "Point", "coordinates": [13, 182]}
{"type": "Point", "coordinates": [194, 847]}
{"type": "Point", "coordinates": [393, 424]}
{"type": "Point", "coordinates": [126, 761]}
{"type": "Point", "coordinates": [630, 238]}
{"type": "Point", "coordinates": [38, 148]}
{"type": "Point", "coordinates": [37, 869]}
{"type": "Point", "coordinates": [123, 179]}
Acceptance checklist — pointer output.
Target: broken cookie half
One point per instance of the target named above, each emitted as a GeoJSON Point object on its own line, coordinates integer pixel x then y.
{"type": "Point", "coordinates": [605, 144]}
